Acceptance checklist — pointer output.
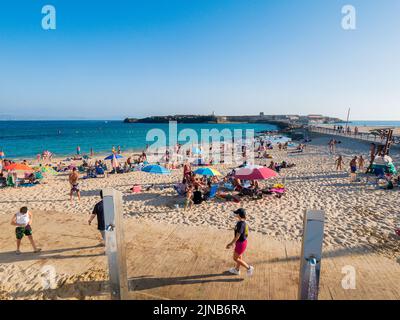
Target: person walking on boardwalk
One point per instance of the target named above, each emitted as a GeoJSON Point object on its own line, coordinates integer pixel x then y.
{"type": "Point", "coordinates": [240, 241]}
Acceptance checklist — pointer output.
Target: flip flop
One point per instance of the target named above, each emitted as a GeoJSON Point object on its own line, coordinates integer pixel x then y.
{"type": "Point", "coordinates": [17, 252]}
{"type": "Point", "coordinates": [37, 250]}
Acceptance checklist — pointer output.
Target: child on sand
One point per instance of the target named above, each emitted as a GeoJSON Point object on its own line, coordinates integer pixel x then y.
{"type": "Point", "coordinates": [73, 181]}
{"type": "Point", "coordinates": [353, 169]}
{"type": "Point", "coordinates": [339, 163]}
{"type": "Point", "coordinates": [23, 221]}
{"type": "Point", "coordinates": [188, 201]}
{"type": "Point", "coordinates": [361, 163]}
{"type": "Point", "coordinates": [240, 241]}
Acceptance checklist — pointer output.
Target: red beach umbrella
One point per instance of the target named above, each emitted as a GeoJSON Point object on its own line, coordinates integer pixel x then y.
{"type": "Point", "coordinates": [255, 173]}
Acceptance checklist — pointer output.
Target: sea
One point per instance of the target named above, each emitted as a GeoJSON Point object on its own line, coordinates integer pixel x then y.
{"type": "Point", "coordinates": [25, 139]}
{"type": "Point", "coordinates": [371, 123]}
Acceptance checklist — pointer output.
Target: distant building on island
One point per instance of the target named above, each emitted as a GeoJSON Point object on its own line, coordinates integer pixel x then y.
{"type": "Point", "coordinates": [283, 120]}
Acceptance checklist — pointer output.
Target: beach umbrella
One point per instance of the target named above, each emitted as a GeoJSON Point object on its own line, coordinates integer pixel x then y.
{"type": "Point", "coordinates": [114, 162]}
{"type": "Point", "coordinates": [2, 155]}
{"type": "Point", "coordinates": [111, 156]}
{"type": "Point", "coordinates": [255, 173]}
{"type": "Point", "coordinates": [156, 169]}
{"type": "Point", "coordinates": [18, 167]}
{"type": "Point", "coordinates": [207, 172]}
{"type": "Point", "coordinates": [197, 150]}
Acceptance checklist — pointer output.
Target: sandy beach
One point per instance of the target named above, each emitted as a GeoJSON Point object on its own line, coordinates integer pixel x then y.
{"type": "Point", "coordinates": [359, 216]}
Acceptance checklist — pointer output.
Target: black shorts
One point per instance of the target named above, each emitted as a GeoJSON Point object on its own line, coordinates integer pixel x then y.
{"type": "Point", "coordinates": [21, 231]}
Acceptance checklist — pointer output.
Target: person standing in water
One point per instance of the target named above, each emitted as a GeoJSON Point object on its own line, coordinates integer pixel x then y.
{"type": "Point", "coordinates": [241, 234]}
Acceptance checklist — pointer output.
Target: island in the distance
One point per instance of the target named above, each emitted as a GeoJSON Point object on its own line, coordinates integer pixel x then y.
{"type": "Point", "coordinates": [280, 120]}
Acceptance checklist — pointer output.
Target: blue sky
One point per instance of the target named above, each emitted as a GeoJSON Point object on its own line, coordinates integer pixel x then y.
{"type": "Point", "coordinates": [111, 59]}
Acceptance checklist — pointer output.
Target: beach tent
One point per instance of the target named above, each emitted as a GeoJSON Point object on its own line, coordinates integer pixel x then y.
{"type": "Point", "coordinates": [249, 173]}
{"type": "Point", "coordinates": [156, 169]}
{"type": "Point", "coordinates": [207, 172]}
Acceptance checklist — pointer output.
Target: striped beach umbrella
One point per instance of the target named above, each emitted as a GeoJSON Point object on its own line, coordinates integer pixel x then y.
{"type": "Point", "coordinates": [111, 156]}
{"type": "Point", "coordinates": [207, 172]}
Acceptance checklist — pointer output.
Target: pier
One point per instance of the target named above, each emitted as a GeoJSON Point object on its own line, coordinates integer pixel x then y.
{"type": "Point", "coordinates": [364, 136]}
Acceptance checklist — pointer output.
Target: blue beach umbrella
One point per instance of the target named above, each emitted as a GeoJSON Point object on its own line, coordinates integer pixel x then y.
{"type": "Point", "coordinates": [156, 169]}
{"type": "Point", "coordinates": [196, 150]}
{"type": "Point", "coordinates": [111, 156]}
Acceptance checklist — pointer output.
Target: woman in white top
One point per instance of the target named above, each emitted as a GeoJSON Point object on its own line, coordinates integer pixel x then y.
{"type": "Point", "coordinates": [23, 220]}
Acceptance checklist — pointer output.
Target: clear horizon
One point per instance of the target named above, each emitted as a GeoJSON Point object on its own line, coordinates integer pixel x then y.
{"type": "Point", "coordinates": [136, 59]}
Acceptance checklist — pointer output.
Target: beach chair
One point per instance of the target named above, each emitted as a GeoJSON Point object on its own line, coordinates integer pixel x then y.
{"type": "Point", "coordinates": [10, 182]}
{"type": "Point", "coordinates": [179, 190]}
{"type": "Point", "coordinates": [38, 176]}
{"type": "Point", "coordinates": [229, 186]}
{"type": "Point", "coordinates": [100, 171]}
{"type": "Point", "coordinates": [213, 191]}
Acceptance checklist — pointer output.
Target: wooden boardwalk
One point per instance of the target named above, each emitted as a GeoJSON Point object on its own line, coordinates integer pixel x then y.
{"type": "Point", "coordinates": [176, 262]}
{"type": "Point", "coordinates": [183, 262]}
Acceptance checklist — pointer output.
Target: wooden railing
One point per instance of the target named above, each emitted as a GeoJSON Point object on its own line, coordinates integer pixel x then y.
{"type": "Point", "coordinates": [366, 136]}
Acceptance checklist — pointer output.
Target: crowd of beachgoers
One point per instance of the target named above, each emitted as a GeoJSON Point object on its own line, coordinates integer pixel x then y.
{"type": "Point", "coordinates": [276, 187]}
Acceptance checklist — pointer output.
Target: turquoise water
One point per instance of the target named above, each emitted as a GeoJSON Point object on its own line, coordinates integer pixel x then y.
{"type": "Point", "coordinates": [25, 139]}
{"type": "Point", "coordinates": [361, 123]}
